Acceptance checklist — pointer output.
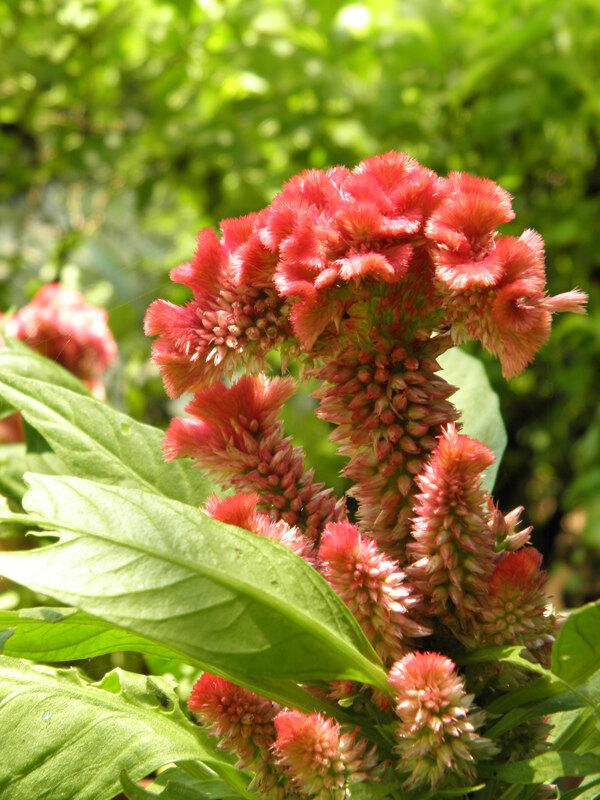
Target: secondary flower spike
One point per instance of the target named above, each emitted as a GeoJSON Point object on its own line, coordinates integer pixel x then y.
{"type": "Point", "coordinates": [238, 438]}
{"type": "Point", "coordinates": [244, 724]}
{"type": "Point", "coordinates": [373, 587]}
{"type": "Point", "coordinates": [453, 544]}
{"type": "Point", "coordinates": [60, 323]}
{"type": "Point", "coordinates": [321, 761]}
{"type": "Point", "coordinates": [437, 743]}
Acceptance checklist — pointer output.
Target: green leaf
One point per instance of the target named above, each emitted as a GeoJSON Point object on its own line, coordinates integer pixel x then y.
{"type": "Point", "coordinates": [478, 405]}
{"type": "Point", "coordinates": [221, 595]}
{"type": "Point", "coordinates": [66, 634]}
{"type": "Point", "coordinates": [175, 784]}
{"type": "Point", "coordinates": [545, 767]}
{"type": "Point", "coordinates": [576, 652]}
{"type": "Point", "coordinates": [91, 438]}
{"type": "Point", "coordinates": [20, 360]}
{"type": "Point", "coordinates": [68, 739]}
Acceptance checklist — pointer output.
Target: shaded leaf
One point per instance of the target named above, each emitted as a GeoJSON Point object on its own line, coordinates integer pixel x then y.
{"type": "Point", "coordinates": [576, 652]}
{"type": "Point", "coordinates": [64, 735]}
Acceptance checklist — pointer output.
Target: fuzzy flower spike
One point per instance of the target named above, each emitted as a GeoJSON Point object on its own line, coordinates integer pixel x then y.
{"type": "Point", "coordinates": [437, 739]}
{"type": "Point", "coordinates": [236, 436]}
{"type": "Point", "coordinates": [453, 544]}
{"type": "Point", "coordinates": [321, 761]}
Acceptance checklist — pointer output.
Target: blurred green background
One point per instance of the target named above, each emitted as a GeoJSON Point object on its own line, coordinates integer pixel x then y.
{"type": "Point", "coordinates": [127, 125]}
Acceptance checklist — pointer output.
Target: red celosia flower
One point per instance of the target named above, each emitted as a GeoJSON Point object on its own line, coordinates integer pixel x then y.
{"type": "Point", "coordinates": [512, 318]}
{"type": "Point", "coordinates": [60, 324]}
{"type": "Point", "coordinates": [437, 742]}
{"type": "Point", "coordinates": [227, 319]}
{"type": "Point", "coordinates": [321, 760]}
{"type": "Point", "coordinates": [237, 437]}
{"type": "Point", "coordinates": [335, 227]}
{"type": "Point", "coordinates": [240, 510]}
{"type": "Point", "coordinates": [373, 587]}
{"type": "Point", "coordinates": [453, 547]}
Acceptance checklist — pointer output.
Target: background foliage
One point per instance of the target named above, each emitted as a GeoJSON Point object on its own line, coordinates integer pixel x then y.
{"type": "Point", "coordinates": [125, 126]}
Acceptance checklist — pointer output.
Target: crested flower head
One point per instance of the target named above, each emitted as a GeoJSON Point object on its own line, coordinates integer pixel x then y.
{"type": "Point", "coordinates": [235, 312]}
{"type": "Point", "coordinates": [373, 587]}
{"type": "Point", "coordinates": [437, 742]}
{"type": "Point", "coordinates": [321, 760]}
{"type": "Point", "coordinates": [59, 323]}
{"type": "Point", "coordinates": [453, 547]}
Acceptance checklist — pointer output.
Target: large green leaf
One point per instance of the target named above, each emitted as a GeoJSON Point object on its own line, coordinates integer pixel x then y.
{"type": "Point", "coordinates": [64, 738]}
{"type": "Point", "coordinates": [576, 652]}
{"type": "Point", "coordinates": [221, 595]}
{"type": "Point", "coordinates": [91, 438]}
{"type": "Point", "coordinates": [478, 405]}
{"type": "Point", "coordinates": [66, 634]}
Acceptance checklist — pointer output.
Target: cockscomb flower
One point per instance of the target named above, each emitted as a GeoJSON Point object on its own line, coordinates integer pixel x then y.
{"type": "Point", "coordinates": [240, 510]}
{"type": "Point", "coordinates": [237, 437]}
{"type": "Point", "coordinates": [373, 587]}
{"type": "Point", "coordinates": [436, 736]}
{"type": "Point", "coordinates": [321, 761]}
{"type": "Point", "coordinates": [335, 229]}
{"type": "Point", "coordinates": [463, 226]}
{"type": "Point", "coordinates": [60, 323]}
{"type": "Point", "coordinates": [235, 314]}
{"type": "Point", "coordinates": [453, 546]}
